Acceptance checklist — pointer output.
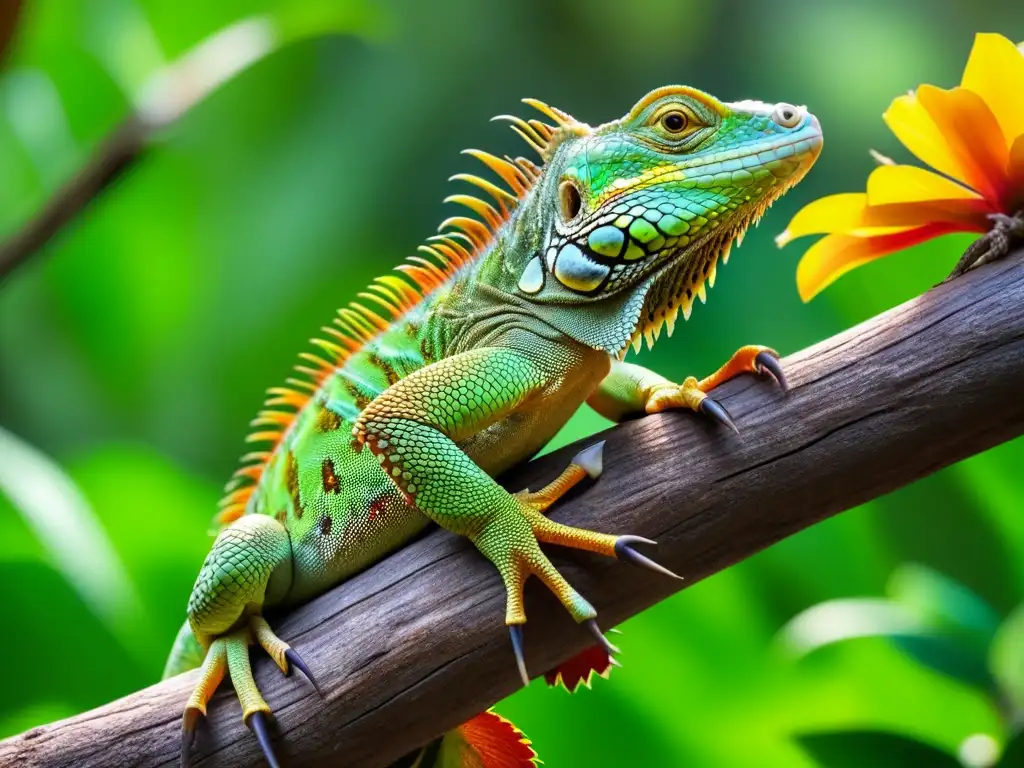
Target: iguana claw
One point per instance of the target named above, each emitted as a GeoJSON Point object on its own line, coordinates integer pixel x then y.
{"type": "Point", "coordinates": [516, 632]}
{"type": "Point", "coordinates": [188, 736]}
{"type": "Point", "coordinates": [595, 630]}
{"type": "Point", "coordinates": [257, 723]}
{"type": "Point", "coordinates": [768, 364]}
{"type": "Point", "coordinates": [229, 653]}
{"type": "Point", "coordinates": [624, 551]}
{"type": "Point", "coordinates": [296, 661]}
{"type": "Point", "coordinates": [662, 395]}
{"type": "Point", "coordinates": [711, 407]}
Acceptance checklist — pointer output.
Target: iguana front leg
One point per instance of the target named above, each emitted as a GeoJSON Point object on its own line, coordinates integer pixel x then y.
{"type": "Point", "coordinates": [631, 390]}
{"type": "Point", "coordinates": [413, 429]}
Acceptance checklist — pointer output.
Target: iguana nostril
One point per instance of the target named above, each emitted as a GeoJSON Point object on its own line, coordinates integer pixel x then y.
{"type": "Point", "coordinates": [787, 115]}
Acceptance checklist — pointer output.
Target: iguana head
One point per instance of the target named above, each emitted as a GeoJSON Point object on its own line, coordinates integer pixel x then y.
{"type": "Point", "coordinates": [626, 221]}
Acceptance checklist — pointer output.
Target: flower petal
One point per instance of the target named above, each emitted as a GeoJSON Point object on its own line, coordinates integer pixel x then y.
{"type": "Point", "coordinates": [490, 741]}
{"type": "Point", "coordinates": [907, 196]}
{"type": "Point", "coordinates": [995, 71]}
{"type": "Point", "coordinates": [899, 198]}
{"type": "Point", "coordinates": [835, 255]}
{"type": "Point", "coordinates": [905, 183]}
{"type": "Point", "coordinates": [834, 213]}
{"type": "Point", "coordinates": [973, 136]}
{"type": "Point", "coordinates": [914, 127]}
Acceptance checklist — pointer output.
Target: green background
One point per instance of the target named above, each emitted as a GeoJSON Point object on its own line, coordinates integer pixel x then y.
{"type": "Point", "coordinates": [135, 348]}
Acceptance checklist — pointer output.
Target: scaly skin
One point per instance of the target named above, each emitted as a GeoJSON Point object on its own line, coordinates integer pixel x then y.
{"type": "Point", "coordinates": [522, 319]}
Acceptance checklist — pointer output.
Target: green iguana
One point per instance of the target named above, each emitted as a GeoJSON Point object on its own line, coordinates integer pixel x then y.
{"type": "Point", "coordinates": [471, 359]}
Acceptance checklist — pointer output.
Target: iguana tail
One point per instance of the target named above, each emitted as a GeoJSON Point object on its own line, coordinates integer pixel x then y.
{"type": "Point", "coordinates": [186, 653]}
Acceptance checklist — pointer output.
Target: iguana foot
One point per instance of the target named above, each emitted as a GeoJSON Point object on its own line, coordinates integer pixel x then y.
{"type": "Point", "coordinates": [230, 653]}
{"type": "Point", "coordinates": [993, 245]}
{"type": "Point", "coordinates": [693, 394]}
{"type": "Point", "coordinates": [532, 561]}
{"type": "Point", "coordinates": [587, 463]}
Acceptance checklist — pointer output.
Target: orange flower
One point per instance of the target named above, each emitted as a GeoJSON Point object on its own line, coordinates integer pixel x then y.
{"type": "Point", "coordinates": [972, 135]}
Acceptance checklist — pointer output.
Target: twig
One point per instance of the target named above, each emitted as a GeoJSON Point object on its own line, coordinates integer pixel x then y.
{"type": "Point", "coordinates": [416, 644]}
{"type": "Point", "coordinates": [168, 95]}
{"type": "Point", "coordinates": [114, 155]}
{"type": "Point", "coordinates": [10, 13]}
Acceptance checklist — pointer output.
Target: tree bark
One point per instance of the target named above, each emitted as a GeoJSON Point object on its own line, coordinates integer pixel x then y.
{"type": "Point", "coordinates": [416, 644]}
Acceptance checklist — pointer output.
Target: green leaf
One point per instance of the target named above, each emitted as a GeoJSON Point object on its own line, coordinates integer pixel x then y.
{"type": "Point", "coordinates": [66, 527]}
{"type": "Point", "coordinates": [944, 604]}
{"type": "Point", "coordinates": [846, 619]}
{"type": "Point", "coordinates": [878, 749]}
{"type": "Point", "coordinates": [958, 625]}
{"type": "Point", "coordinates": [1006, 657]}
{"type": "Point", "coordinates": [298, 20]}
{"type": "Point", "coordinates": [949, 656]}
{"type": "Point", "coordinates": [158, 518]}
{"type": "Point", "coordinates": [168, 91]}
{"type": "Point", "coordinates": [850, 618]}
{"type": "Point", "coordinates": [61, 658]}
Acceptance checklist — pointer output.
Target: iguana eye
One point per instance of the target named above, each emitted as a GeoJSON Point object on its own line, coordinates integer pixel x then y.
{"type": "Point", "coordinates": [675, 121]}
{"type": "Point", "coordinates": [787, 115]}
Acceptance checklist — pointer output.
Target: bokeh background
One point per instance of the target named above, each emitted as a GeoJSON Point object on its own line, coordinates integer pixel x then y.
{"type": "Point", "coordinates": [137, 345]}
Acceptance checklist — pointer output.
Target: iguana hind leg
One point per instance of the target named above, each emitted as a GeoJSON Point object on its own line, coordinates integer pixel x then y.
{"type": "Point", "coordinates": [413, 428]}
{"type": "Point", "coordinates": [250, 560]}
{"type": "Point", "coordinates": [630, 390]}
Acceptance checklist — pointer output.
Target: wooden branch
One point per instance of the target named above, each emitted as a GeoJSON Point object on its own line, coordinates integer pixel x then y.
{"type": "Point", "coordinates": [416, 644]}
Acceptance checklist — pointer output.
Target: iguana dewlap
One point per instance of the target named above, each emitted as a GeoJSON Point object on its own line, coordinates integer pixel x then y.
{"type": "Point", "coordinates": [472, 357]}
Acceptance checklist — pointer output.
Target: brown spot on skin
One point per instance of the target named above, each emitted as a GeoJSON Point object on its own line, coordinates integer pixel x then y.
{"type": "Point", "coordinates": [282, 516]}
{"type": "Point", "coordinates": [377, 506]}
{"type": "Point", "coordinates": [327, 420]}
{"type": "Point", "coordinates": [292, 482]}
{"type": "Point", "coordinates": [331, 484]}
{"type": "Point", "coordinates": [326, 523]}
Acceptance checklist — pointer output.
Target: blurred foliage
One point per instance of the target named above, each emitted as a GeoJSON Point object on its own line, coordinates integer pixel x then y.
{"type": "Point", "coordinates": [943, 625]}
{"type": "Point", "coordinates": [136, 347]}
